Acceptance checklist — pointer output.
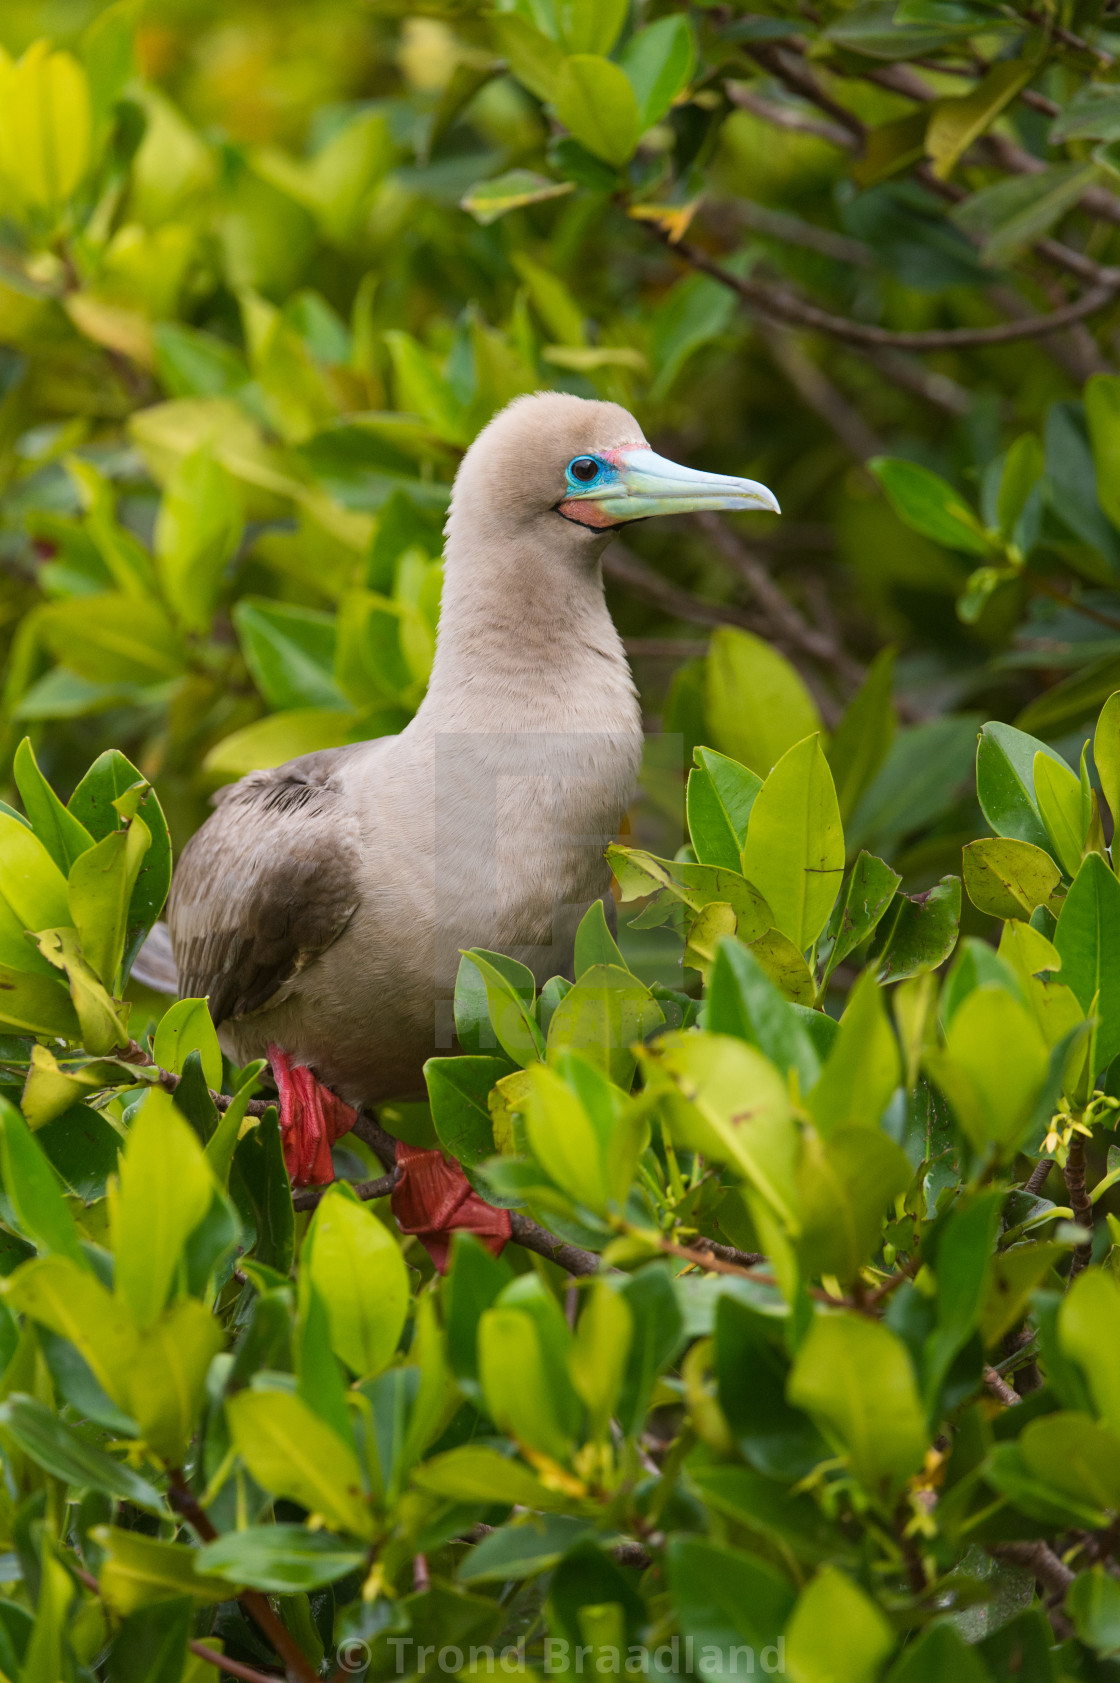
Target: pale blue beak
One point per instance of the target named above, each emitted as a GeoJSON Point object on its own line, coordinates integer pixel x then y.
{"type": "Point", "coordinates": [635, 483]}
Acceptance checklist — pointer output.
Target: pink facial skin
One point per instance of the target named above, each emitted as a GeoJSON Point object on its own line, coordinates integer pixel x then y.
{"type": "Point", "coordinates": [589, 513]}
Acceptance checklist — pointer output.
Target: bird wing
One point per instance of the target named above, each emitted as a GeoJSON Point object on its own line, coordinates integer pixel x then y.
{"type": "Point", "coordinates": [267, 883]}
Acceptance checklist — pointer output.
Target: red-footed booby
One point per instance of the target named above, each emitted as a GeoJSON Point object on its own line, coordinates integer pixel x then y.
{"type": "Point", "coordinates": [322, 908]}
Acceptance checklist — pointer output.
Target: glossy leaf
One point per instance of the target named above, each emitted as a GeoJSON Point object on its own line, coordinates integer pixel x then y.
{"type": "Point", "coordinates": [794, 852]}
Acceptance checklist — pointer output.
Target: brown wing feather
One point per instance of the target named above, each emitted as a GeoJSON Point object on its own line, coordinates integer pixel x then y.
{"type": "Point", "coordinates": [265, 885]}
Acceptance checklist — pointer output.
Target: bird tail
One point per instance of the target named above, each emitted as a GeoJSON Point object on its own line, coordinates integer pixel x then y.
{"type": "Point", "coordinates": [154, 965]}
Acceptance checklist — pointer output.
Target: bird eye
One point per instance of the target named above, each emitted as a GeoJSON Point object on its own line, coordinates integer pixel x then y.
{"type": "Point", "coordinates": [584, 468]}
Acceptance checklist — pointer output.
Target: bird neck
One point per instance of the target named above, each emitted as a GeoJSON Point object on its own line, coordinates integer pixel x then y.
{"type": "Point", "coordinates": [522, 631]}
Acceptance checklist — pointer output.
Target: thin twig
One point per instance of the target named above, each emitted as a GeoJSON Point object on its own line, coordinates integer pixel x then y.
{"type": "Point", "coordinates": [234, 1667]}
{"type": "Point", "coordinates": [785, 117]}
{"type": "Point", "coordinates": [308, 1197]}
{"type": "Point", "coordinates": [1079, 1202]}
{"type": "Point", "coordinates": [782, 305]}
{"type": "Point", "coordinates": [1038, 1177]}
{"type": "Point", "coordinates": [788, 621]}
{"type": "Point", "coordinates": [822, 395]}
{"type": "Point", "coordinates": [1053, 1574]}
{"type": "Point", "coordinates": [186, 1503]}
{"type": "Point", "coordinates": [1000, 1388]}
{"type": "Point", "coordinates": [532, 1237]}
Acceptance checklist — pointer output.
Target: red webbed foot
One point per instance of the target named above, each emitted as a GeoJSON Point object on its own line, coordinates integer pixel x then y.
{"type": "Point", "coordinates": [311, 1119]}
{"type": "Point", "coordinates": [433, 1199]}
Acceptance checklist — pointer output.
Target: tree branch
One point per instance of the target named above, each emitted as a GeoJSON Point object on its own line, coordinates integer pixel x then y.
{"type": "Point", "coordinates": [532, 1237]}
{"type": "Point", "coordinates": [1053, 1574]}
{"type": "Point", "coordinates": [308, 1197]}
{"type": "Point", "coordinates": [999, 1387]}
{"type": "Point", "coordinates": [186, 1503]}
{"type": "Point", "coordinates": [1079, 1203]}
{"type": "Point", "coordinates": [779, 304]}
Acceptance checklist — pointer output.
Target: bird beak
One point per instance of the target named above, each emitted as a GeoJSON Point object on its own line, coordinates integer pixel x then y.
{"type": "Point", "coordinates": [645, 484]}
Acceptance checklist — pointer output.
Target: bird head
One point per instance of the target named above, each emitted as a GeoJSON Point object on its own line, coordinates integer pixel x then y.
{"type": "Point", "coordinates": [573, 469]}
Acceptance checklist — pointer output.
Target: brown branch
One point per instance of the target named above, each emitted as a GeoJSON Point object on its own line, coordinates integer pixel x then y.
{"type": "Point", "coordinates": [822, 396]}
{"type": "Point", "coordinates": [791, 625]}
{"type": "Point", "coordinates": [784, 117]}
{"type": "Point", "coordinates": [626, 569]}
{"type": "Point", "coordinates": [726, 1253]}
{"type": "Point", "coordinates": [1053, 1574]}
{"type": "Point", "coordinates": [134, 1053]}
{"type": "Point", "coordinates": [308, 1197]}
{"type": "Point", "coordinates": [186, 1503]}
{"type": "Point", "coordinates": [925, 383]}
{"type": "Point", "coordinates": [790, 67]}
{"type": "Point", "coordinates": [1068, 38]}
{"type": "Point", "coordinates": [779, 304]}
{"type": "Point", "coordinates": [1079, 1203]}
{"type": "Point", "coordinates": [234, 1667]}
{"type": "Point", "coordinates": [999, 1387]}
{"type": "Point", "coordinates": [1038, 1177]}
{"type": "Point", "coordinates": [793, 230]}
{"type": "Point", "coordinates": [532, 1237]}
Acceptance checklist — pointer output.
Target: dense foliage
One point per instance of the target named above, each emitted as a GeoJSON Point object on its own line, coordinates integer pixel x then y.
{"type": "Point", "coordinates": [806, 1358]}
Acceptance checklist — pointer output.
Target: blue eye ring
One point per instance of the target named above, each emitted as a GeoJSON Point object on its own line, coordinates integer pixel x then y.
{"type": "Point", "coordinates": [578, 474]}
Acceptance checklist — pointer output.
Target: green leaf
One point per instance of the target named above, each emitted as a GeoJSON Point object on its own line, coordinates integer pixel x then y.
{"type": "Point", "coordinates": [57, 1448]}
{"type": "Point", "coordinates": [598, 1356]}
{"type": "Point", "coordinates": [64, 1296]}
{"type": "Point", "coordinates": [198, 529]}
{"type": "Point", "coordinates": [458, 1089]}
{"type": "Point", "coordinates": [184, 1028]}
{"type": "Point", "coordinates": [594, 942]}
{"type": "Point", "coordinates": [60, 832]}
{"type": "Point", "coordinates": [113, 638]}
{"type": "Point", "coordinates": [836, 1631]}
{"type": "Point", "coordinates": [724, 1598]}
{"type": "Point", "coordinates": [730, 1103]}
{"type": "Point", "coordinates": [1057, 793]}
{"type": "Point", "coordinates": [279, 1559]}
{"type": "Point", "coordinates": [1008, 216]}
{"type": "Point", "coordinates": [138, 1570]}
{"type": "Point", "coordinates": [854, 1376]}
{"type": "Point", "coordinates": [1076, 1455]}
{"type": "Point", "coordinates": [36, 1005]}
{"type": "Point", "coordinates": [530, 1544]}
{"type": "Point", "coordinates": [165, 1191]}
{"type": "Point", "coordinates": [475, 1473]}
{"type": "Point", "coordinates": [658, 62]}
{"type": "Point", "coordinates": [939, 1652]}
{"type": "Point", "coordinates": [868, 891]}
{"type": "Point", "coordinates": [30, 881]}
{"type": "Point", "coordinates": [743, 1001]}
{"type": "Point", "coordinates": [756, 704]}
{"type": "Point", "coordinates": [719, 798]}
{"type": "Point", "coordinates": [918, 931]}
{"type": "Point", "coordinates": [794, 853]}
{"type": "Point", "coordinates": [962, 1263]}
{"type": "Point", "coordinates": [863, 737]}
{"type": "Point", "coordinates": [752, 1371]}
{"type": "Point", "coordinates": [534, 59]}
{"type": "Point", "coordinates": [581, 1130]}
{"type": "Point", "coordinates": [509, 991]}
{"type": "Point", "coordinates": [1007, 878]}
{"type": "Point", "coordinates": [1106, 752]}
{"type": "Point", "coordinates": [109, 778]}
{"type": "Point", "coordinates": [356, 1266]}
{"type": "Point", "coordinates": [930, 505]}
{"type": "Point", "coordinates": [33, 1189]}
{"type": "Point", "coordinates": [862, 1069]}
{"type": "Point", "coordinates": [1092, 114]}
{"type": "Point", "coordinates": [167, 1382]}
{"type": "Point", "coordinates": [488, 200]}
{"type": "Point", "coordinates": [992, 1068]}
{"type": "Point", "coordinates": [846, 1184]}
{"type": "Point", "coordinates": [102, 882]}
{"type": "Point", "coordinates": [151, 1645]}
{"type": "Point", "coordinates": [1089, 1332]}
{"type": "Point", "coordinates": [1086, 937]}
{"type": "Point", "coordinates": [526, 1396]}
{"type": "Point", "coordinates": [290, 653]}
{"type": "Point", "coordinates": [596, 104]}
{"type": "Point", "coordinates": [1093, 1603]}
{"type": "Point", "coordinates": [602, 1017]}
{"type": "Point", "coordinates": [291, 1452]}
{"type": "Point", "coordinates": [956, 123]}
{"type": "Point", "coordinates": [282, 736]}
